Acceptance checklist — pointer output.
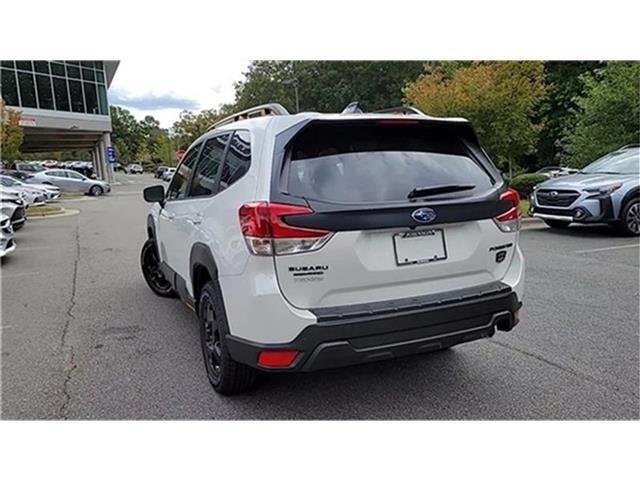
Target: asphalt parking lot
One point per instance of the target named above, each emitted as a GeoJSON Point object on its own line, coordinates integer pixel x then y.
{"type": "Point", "coordinates": [83, 337]}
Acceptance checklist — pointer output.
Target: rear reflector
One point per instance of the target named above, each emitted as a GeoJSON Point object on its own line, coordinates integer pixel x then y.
{"type": "Point", "coordinates": [277, 359]}
{"type": "Point", "coordinates": [509, 221]}
{"type": "Point", "coordinates": [266, 232]}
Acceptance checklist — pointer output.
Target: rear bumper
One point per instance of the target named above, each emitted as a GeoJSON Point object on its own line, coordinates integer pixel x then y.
{"type": "Point", "coordinates": [360, 334]}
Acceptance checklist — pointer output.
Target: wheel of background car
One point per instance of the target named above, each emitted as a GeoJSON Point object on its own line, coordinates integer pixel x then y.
{"type": "Point", "coordinates": [630, 218]}
{"type": "Point", "coordinates": [557, 223]}
{"type": "Point", "coordinates": [225, 374]}
{"type": "Point", "coordinates": [150, 265]}
{"type": "Point", "coordinates": [96, 191]}
{"type": "Point", "coordinates": [18, 226]}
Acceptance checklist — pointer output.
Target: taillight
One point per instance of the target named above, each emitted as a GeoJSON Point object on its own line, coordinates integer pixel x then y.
{"type": "Point", "coordinates": [266, 232]}
{"type": "Point", "coordinates": [509, 221]}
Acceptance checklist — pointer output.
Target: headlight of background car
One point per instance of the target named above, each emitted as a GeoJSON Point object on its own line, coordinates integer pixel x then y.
{"type": "Point", "coordinates": [604, 190]}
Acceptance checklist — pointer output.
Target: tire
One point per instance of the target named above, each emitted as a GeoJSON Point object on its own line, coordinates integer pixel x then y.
{"type": "Point", "coordinates": [557, 223]}
{"type": "Point", "coordinates": [149, 264]}
{"type": "Point", "coordinates": [18, 226]}
{"type": "Point", "coordinates": [96, 191]}
{"type": "Point", "coordinates": [630, 218]}
{"type": "Point", "coordinates": [226, 376]}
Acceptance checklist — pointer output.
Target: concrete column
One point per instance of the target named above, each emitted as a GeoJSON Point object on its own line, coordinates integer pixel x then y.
{"type": "Point", "coordinates": [95, 159]}
{"type": "Point", "coordinates": [101, 159]}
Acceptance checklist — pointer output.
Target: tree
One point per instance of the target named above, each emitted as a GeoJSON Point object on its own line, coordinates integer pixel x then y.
{"type": "Point", "coordinates": [557, 109]}
{"type": "Point", "coordinates": [191, 125]}
{"type": "Point", "coordinates": [11, 133]}
{"type": "Point", "coordinates": [127, 136]}
{"type": "Point", "coordinates": [325, 86]}
{"type": "Point", "coordinates": [165, 151]}
{"type": "Point", "coordinates": [608, 115]}
{"type": "Point", "coordinates": [499, 98]}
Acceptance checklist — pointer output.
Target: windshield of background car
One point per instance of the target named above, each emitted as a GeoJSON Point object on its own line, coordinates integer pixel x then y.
{"type": "Point", "coordinates": [623, 162]}
{"type": "Point", "coordinates": [378, 163]}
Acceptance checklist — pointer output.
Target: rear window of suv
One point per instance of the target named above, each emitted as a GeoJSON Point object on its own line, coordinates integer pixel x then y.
{"type": "Point", "coordinates": [376, 163]}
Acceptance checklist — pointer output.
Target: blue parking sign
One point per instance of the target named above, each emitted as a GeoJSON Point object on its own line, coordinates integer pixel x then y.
{"type": "Point", "coordinates": [111, 154]}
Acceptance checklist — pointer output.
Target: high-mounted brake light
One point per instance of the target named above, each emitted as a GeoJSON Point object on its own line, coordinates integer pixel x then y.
{"type": "Point", "coordinates": [509, 221]}
{"type": "Point", "coordinates": [267, 233]}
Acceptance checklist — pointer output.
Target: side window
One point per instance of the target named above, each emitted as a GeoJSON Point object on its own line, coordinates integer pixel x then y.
{"type": "Point", "coordinates": [238, 159]}
{"type": "Point", "coordinates": [204, 178]}
{"type": "Point", "coordinates": [74, 175]}
{"type": "Point", "coordinates": [180, 180]}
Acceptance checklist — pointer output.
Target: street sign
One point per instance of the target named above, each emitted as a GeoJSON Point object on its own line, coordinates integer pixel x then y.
{"type": "Point", "coordinates": [111, 154]}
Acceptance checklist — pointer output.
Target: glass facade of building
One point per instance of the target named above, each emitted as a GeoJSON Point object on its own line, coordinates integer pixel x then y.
{"type": "Point", "coordinates": [65, 86]}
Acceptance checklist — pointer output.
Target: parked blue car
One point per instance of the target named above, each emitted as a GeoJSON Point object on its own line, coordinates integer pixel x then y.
{"type": "Point", "coordinates": [606, 191]}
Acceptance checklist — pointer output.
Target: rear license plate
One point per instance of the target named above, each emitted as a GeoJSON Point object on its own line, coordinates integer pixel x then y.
{"type": "Point", "coordinates": [422, 246]}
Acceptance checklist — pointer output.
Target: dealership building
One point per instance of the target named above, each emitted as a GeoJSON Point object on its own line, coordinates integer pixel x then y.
{"type": "Point", "coordinates": [63, 106]}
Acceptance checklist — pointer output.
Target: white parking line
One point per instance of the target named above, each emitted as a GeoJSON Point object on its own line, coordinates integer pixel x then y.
{"type": "Point", "coordinates": [617, 247]}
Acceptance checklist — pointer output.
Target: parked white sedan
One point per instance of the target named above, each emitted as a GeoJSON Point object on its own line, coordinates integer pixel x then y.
{"type": "Point", "coordinates": [48, 192]}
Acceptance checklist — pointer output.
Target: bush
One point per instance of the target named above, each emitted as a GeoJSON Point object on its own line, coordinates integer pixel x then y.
{"type": "Point", "coordinates": [524, 183]}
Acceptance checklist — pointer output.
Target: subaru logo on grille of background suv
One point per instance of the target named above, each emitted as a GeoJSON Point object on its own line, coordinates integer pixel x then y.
{"type": "Point", "coordinates": [423, 215]}
{"type": "Point", "coordinates": [553, 194]}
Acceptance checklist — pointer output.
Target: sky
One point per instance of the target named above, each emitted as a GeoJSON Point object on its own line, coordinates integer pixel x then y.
{"type": "Point", "coordinates": [164, 89]}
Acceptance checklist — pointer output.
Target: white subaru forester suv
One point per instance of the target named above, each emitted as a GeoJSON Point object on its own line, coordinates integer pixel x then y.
{"type": "Point", "coordinates": [315, 241]}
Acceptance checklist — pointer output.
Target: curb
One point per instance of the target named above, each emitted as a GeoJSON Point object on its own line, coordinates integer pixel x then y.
{"type": "Point", "coordinates": [68, 212]}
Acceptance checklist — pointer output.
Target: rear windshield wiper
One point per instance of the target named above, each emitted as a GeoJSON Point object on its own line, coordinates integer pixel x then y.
{"type": "Point", "coordinates": [437, 190]}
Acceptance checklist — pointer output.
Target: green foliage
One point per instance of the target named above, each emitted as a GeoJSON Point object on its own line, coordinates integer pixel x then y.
{"type": "Point", "coordinates": [191, 125]}
{"type": "Point", "coordinates": [11, 135]}
{"type": "Point", "coordinates": [558, 107]}
{"type": "Point", "coordinates": [140, 141]}
{"type": "Point", "coordinates": [524, 183]}
{"type": "Point", "coordinates": [127, 136]}
{"type": "Point", "coordinates": [325, 86]}
{"type": "Point", "coordinates": [499, 98]}
{"type": "Point", "coordinates": [608, 115]}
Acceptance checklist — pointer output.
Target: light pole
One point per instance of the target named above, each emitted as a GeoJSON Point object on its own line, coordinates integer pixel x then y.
{"type": "Point", "coordinates": [294, 82]}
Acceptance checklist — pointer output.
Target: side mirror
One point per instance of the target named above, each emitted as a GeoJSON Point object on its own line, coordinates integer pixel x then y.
{"type": "Point", "coordinates": [154, 194]}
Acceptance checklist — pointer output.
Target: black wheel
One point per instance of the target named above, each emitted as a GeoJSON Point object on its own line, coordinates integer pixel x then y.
{"type": "Point", "coordinates": [18, 226]}
{"type": "Point", "coordinates": [96, 191]}
{"type": "Point", "coordinates": [151, 271]}
{"type": "Point", "coordinates": [225, 374]}
{"type": "Point", "coordinates": [630, 218]}
{"type": "Point", "coordinates": [557, 223]}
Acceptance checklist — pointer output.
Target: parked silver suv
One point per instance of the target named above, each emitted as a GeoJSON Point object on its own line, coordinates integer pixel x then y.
{"type": "Point", "coordinates": [606, 191]}
{"type": "Point", "coordinates": [314, 241]}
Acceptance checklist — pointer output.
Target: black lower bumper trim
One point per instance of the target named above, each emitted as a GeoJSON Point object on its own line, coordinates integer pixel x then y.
{"type": "Point", "coordinates": [385, 335]}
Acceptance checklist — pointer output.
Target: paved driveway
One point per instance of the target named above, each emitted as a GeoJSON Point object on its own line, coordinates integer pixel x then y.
{"type": "Point", "coordinates": [84, 338]}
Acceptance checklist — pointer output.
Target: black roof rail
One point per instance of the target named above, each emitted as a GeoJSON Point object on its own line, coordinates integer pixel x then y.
{"type": "Point", "coordinates": [630, 145]}
{"type": "Point", "coordinates": [253, 112]}
{"type": "Point", "coordinates": [401, 111]}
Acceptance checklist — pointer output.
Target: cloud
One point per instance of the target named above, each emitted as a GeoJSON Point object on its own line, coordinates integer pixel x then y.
{"type": "Point", "coordinates": [151, 101]}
